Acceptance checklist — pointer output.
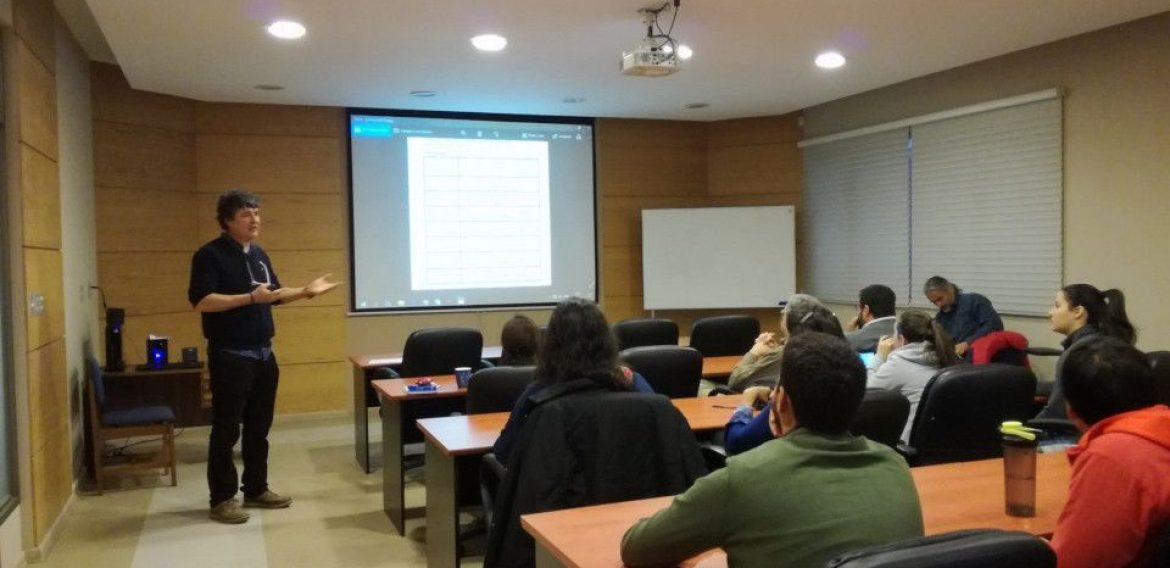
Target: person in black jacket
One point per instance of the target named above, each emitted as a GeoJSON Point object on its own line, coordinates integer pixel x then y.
{"type": "Point", "coordinates": [233, 286]}
{"type": "Point", "coordinates": [584, 435]}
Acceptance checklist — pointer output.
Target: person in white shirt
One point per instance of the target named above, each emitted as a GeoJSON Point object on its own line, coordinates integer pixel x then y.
{"type": "Point", "coordinates": [908, 360]}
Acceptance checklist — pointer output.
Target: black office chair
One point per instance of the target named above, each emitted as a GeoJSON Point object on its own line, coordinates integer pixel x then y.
{"type": "Point", "coordinates": [496, 389]}
{"type": "Point", "coordinates": [980, 548]}
{"type": "Point", "coordinates": [1160, 362]}
{"type": "Point", "coordinates": [881, 416]}
{"type": "Point", "coordinates": [961, 409]}
{"type": "Point", "coordinates": [671, 370]}
{"type": "Point", "coordinates": [641, 332]}
{"type": "Point", "coordinates": [725, 335]}
{"type": "Point", "coordinates": [438, 350]}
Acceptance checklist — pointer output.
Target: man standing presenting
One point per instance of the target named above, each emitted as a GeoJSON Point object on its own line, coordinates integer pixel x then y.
{"type": "Point", "coordinates": [233, 286]}
{"type": "Point", "coordinates": [875, 318]}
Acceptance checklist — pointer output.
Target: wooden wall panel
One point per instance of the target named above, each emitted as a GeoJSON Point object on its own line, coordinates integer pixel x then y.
{"type": "Point", "coordinates": [289, 221]}
{"type": "Point", "coordinates": [128, 155]}
{"type": "Point", "coordinates": [631, 171]}
{"type": "Point", "coordinates": [115, 101]}
{"type": "Point", "coordinates": [312, 387]}
{"type": "Point", "coordinates": [268, 164]}
{"type": "Point", "coordinates": [765, 168]}
{"type": "Point", "coordinates": [130, 220]}
{"type": "Point", "coordinates": [309, 334]}
{"type": "Point", "coordinates": [52, 480]}
{"type": "Point", "coordinates": [34, 23]}
{"type": "Point", "coordinates": [783, 129]}
{"type": "Point", "coordinates": [41, 197]}
{"type": "Point", "coordinates": [621, 217]}
{"type": "Point", "coordinates": [37, 102]}
{"type": "Point", "coordinates": [298, 267]}
{"type": "Point", "coordinates": [145, 282]}
{"type": "Point", "coordinates": [654, 134]}
{"type": "Point", "coordinates": [48, 389]}
{"type": "Point", "coordinates": [270, 120]}
{"type": "Point", "coordinates": [43, 275]}
{"type": "Point", "coordinates": [623, 266]}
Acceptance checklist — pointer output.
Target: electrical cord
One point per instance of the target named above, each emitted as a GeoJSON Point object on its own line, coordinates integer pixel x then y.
{"type": "Point", "coordinates": [121, 450]}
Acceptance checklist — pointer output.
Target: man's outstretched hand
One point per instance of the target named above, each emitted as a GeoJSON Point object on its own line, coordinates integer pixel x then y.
{"type": "Point", "coordinates": [320, 286]}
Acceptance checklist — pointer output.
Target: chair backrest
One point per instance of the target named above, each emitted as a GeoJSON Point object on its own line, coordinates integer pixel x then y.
{"type": "Point", "coordinates": [496, 389]}
{"type": "Point", "coordinates": [962, 407]}
{"type": "Point", "coordinates": [724, 335]}
{"type": "Point", "coordinates": [641, 332]}
{"type": "Point", "coordinates": [438, 350]}
{"type": "Point", "coordinates": [881, 416]}
{"type": "Point", "coordinates": [1160, 361]}
{"type": "Point", "coordinates": [978, 548]}
{"type": "Point", "coordinates": [671, 370]}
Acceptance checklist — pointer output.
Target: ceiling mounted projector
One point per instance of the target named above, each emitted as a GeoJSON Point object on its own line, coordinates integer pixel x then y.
{"type": "Point", "coordinates": [657, 54]}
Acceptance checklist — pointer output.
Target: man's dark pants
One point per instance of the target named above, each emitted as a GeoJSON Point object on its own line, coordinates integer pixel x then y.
{"type": "Point", "coordinates": [243, 391]}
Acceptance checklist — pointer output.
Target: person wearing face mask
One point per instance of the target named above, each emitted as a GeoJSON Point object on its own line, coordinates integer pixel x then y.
{"type": "Point", "coordinates": [1082, 313]}
{"type": "Point", "coordinates": [906, 362]}
{"type": "Point", "coordinates": [966, 316]}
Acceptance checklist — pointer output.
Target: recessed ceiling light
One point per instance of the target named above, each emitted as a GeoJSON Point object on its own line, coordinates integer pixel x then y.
{"type": "Point", "coordinates": [695, 106]}
{"type": "Point", "coordinates": [423, 94]}
{"type": "Point", "coordinates": [573, 100]}
{"type": "Point", "coordinates": [830, 60]}
{"type": "Point", "coordinates": [489, 42]}
{"type": "Point", "coordinates": [269, 88]}
{"type": "Point", "coordinates": [286, 29]}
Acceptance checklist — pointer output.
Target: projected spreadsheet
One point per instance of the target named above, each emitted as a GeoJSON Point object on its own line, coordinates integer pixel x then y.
{"type": "Point", "coordinates": [479, 213]}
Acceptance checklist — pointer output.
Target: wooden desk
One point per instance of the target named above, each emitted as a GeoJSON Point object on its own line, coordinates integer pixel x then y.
{"type": "Point", "coordinates": [363, 397]}
{"type": "Point", "coordinates": [954, 497]}
{"type": "Point", "coordinates": [713, 367]}
{"type": "Point", "coordinates": [180, 389]}
{"type": "Point", "coordinates": [719, 367]}
{"type": "Point", "coordinates": [394, 399]}
{"type": "Point", "coordinates": [455, 439]}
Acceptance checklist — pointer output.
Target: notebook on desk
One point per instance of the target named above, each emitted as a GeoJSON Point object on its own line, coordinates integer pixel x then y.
{"type": "Point", "coordinates": [171, 366]}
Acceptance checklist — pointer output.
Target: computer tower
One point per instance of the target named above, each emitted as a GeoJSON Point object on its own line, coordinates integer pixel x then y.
{"type": "Point", "coordinates": [115, 317]}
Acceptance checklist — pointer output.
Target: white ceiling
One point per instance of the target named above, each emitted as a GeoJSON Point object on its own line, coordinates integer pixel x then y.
{"type": "Point", "coordinates": [752, 57]}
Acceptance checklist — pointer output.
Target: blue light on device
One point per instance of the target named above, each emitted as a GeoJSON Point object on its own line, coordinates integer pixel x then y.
{"type": "Point", "coordinates": [156, 353]}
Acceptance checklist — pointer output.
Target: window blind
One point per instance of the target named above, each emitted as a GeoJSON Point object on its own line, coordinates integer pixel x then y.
{"type": "Point", "coordinates": [986, 198]}
{"type": "Point", "coordinates": [856, 211]}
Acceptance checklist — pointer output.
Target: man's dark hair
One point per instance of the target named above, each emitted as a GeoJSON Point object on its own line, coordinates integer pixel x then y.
{"type": "Point", "coordinates": [825, 380]}
{"type": "Point", "coordinates": [519, 340]}
{"type": "Point", "coordinates": [578, 345]}
{"type": "Point", "coordinates": [232, 201]}
{"type": "Point", "coordinates": [880, 299]}
{"type": "Point", "coordinates": [1107, 376]}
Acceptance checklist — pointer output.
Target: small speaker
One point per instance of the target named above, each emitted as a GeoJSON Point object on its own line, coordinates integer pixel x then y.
{"type": "Point", "coordinates": [156, 353]}
{"type": "Point", "coordinates": [190, 355]}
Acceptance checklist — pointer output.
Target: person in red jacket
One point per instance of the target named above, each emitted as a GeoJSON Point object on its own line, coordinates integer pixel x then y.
{"type": "Point", "coordinates": [1119, 495]}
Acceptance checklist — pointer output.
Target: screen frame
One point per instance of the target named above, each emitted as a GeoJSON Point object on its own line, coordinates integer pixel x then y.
{"type": "Point", "coordinates": [350, 112]}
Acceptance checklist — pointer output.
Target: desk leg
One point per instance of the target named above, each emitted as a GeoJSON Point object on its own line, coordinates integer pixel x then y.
{"type": "Point", "coordinates": [442, 509]}
{"type": "Point", "coordinates": [393, 497]}
{"type": "Point", "coordinates": [361, 417]}
{"type": "Point", "coordinates": [546, 559]}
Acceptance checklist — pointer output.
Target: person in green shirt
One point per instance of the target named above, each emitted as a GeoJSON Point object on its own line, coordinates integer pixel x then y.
{"type": "Point", "coordinates": [799, 500]}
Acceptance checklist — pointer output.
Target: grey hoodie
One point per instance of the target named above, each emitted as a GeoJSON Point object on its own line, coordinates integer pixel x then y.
{"type": "Point", "coordinates": [907, 371]}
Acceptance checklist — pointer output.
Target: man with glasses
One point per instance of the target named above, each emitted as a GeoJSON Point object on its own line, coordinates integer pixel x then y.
{"type": "Point", "coordinates": [233, 286]}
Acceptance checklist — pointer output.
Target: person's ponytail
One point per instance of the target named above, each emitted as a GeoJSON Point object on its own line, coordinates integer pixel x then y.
{"type": "Point", "coordinates": [1116, 322]}
{"type": "Point", "coordinates": [943, 345]}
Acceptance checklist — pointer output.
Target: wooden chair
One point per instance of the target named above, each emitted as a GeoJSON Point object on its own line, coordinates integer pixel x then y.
{"type": "Point", "coordinates": [106, 424]}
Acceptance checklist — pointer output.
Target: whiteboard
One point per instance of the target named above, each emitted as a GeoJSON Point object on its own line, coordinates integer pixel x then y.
{"type": "Point", "coordinates": [718, 257]}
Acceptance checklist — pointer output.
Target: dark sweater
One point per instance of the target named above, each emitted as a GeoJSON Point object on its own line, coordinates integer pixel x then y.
{"type": "Point", "coordinates": [222, 267]}
{"type": "Point", "coordinates": [970, 317]}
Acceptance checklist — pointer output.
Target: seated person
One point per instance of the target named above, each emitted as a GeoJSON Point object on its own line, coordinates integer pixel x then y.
{"type": "Point", "coordinates": [761, 365]}
{"type": "Point", "coordinates": [518, 342]}
{"type": "Point", "coordinates": [1118, 497]}
{"type": "Point", "coordinates": [966, 316]}
{"type": "Point", "coordinates": [799, 500]}
{"type": "Point", "coordinates": [1082, 313]}
{"type": "Point", "coordinates": [906, 363]}
{"type": "Point", "coordinates": [579, 344]}
{"type": "Point", "coordinates": [875, 317]}
{"type": "Point", "coordinates": [743, 432]}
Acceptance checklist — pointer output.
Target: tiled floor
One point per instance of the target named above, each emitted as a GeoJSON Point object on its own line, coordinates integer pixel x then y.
{"type": "Point", "coordinates": [336, 518]}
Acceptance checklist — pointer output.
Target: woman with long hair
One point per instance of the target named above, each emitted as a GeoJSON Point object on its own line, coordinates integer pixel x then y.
{"type": "Point", "coordinates": [1082, 313]}
{"type": "Point", "coordinates": [907, 362]}
{"type": "Point", "coordinates": [578, 345]}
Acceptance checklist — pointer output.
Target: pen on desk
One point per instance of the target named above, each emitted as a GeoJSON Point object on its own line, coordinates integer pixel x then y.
{"type": "Point", "coordinates": [723, 406]}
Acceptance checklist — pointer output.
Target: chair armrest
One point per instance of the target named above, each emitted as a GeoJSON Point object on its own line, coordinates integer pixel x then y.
{"type": "Point", "coordinates": [1043, 351]}
{"type": "Point", "coordinates": [721, 389]}
{"type": "Point", "coordinates": [908, 453]}
{"type": "Point", "coordinates": [384, 373]}
{"type": "Point", "coordinates": [484, 364]}
{"type": "Point", "coordinates": [1055, 425]}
